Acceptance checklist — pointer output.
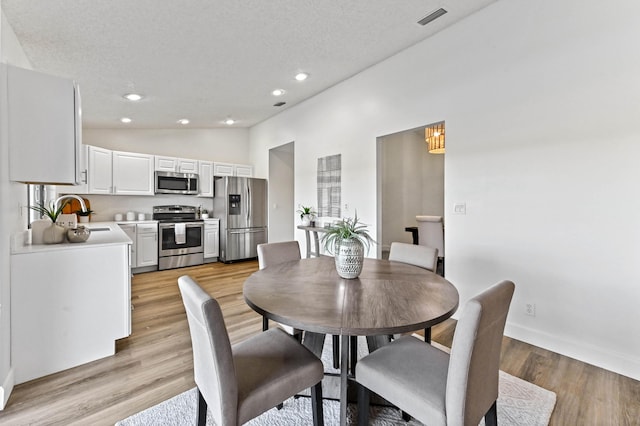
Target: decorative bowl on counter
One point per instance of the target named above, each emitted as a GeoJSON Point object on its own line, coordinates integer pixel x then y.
{"type": "Point", "coordinates": [78, 235]}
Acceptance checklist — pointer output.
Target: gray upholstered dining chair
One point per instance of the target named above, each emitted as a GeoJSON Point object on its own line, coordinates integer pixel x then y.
{"type": "Point", "coordinates": [422, 256]}
{"type": "Point", "coordinates": [242, 381]}
{"type": "Point", "coordinates": [274, 253]}
{"type": "Point", "coordinates": [437, 388]}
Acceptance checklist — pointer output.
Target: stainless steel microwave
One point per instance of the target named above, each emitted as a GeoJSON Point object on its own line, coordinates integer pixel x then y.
{"type": "Point", "coordinates": [176, 183]}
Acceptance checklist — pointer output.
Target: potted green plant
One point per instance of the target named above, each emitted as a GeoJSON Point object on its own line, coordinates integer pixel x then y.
{"type": "Point", "coordinates": [347, 239]}
{"type": "Point", "coordinates": [83, 217]}
{"type": "Point", "coordinates": [204, 214]}
{"type": "Point", "coordinates": [54, 234]}
{"type": "Point", "coordinates": [306, 214]}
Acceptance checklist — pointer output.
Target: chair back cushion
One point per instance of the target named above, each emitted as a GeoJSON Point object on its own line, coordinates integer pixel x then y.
{"type": "Point", "coordinates": [422, 256]}
{"type": "Point", "coordinates": [431, 232]}
{"type": "Point", "coordinates": [213, 366]}
{"type": "Point", "coordinates": [472, 381]}
{"type": "Point", "coordinates": [275, 253]}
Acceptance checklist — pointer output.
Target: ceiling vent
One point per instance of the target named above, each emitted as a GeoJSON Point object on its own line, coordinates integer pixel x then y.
{"type": "Point", "coordinates": [279, 104]}
{"type": "Point", "coordinates": [432, 16]}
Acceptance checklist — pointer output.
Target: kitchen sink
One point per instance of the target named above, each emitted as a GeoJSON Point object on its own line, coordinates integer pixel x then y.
{"type": "Point", "coordinates": [106, 228]}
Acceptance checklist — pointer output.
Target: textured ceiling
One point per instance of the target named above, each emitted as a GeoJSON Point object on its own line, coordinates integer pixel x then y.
{"type": "Point", "coordinates": [207, 60]}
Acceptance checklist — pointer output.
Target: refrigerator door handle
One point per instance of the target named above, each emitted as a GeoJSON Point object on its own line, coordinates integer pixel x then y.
{"type": "Point", "coordinates": [248, 202]}
{"type": "Point", "coordinates": [247, 231]}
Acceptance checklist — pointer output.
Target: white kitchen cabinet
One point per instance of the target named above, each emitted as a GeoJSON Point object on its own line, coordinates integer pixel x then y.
{"type": "Point", "coordinates": [100, 170]}
{"type": "Point", "coordinates": [173, 164]}
{"type": "Point", "coordinates": [44, 126]}
{"type": "Point", "coordinates": [120, 173]}
{"type": "Point", "coordinates": [244, 171]}
{"type": "Point", "coordinates": [132, 173]}
{"type": "Point", "coordinates": [228, 169]}
{"type": "Point", "coordinates": [68, 307]}
{"type": "Point", "coordinates": [130, 230]}
{"type": "Point", "coordinates": [211, 238]}
{"type": "Point", "coordinates": [205, 176]}
{"type": "Point", "coordinates": [83, 187]}
{"type": "Point", "coordinates": [146, 245]}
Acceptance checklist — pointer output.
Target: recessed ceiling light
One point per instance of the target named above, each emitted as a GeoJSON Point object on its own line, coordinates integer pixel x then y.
{"type": "Point", "coordinates": [302, 76]}
{"type": "Point", "coordinates": [183, 121]}
{"type": "Point", "coordinates": [125, 120]}
{"type": "Point", "coordinates": [278, 92]}
{"type": "Point", "coordinates": [133, 96]}
{"type": "Point", "coordinates": [229, 121]}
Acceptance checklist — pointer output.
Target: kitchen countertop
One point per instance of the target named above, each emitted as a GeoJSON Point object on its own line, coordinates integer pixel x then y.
{"type": "Point", "coordinates": [115, 235]}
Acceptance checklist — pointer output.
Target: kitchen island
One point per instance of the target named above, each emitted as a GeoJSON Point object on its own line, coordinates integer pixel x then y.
{"type": "Point", "coordinates": [70, 302]}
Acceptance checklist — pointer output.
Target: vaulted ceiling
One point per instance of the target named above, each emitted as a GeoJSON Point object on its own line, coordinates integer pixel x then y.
{"type": "Point", "coordinates": [209, 60]}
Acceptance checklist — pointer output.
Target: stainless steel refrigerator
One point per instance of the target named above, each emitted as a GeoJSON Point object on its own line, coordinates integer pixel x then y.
{"type": "Point", "coordinates": [241, 205]}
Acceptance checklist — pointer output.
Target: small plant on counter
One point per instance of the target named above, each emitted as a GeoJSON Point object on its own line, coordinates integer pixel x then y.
{"type": "Point", "coordinates": [50, 211]}
{"type": "Point", "coordinates": [81, 213]}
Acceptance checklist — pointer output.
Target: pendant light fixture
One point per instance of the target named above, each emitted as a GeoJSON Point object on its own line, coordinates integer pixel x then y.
{"type": "Point", "coordinates": [434, 136]}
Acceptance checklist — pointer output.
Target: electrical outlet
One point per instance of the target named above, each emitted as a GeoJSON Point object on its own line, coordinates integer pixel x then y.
{"type": "Point", "coordinates": [530, 309]}
{"type": "Point", "coordinates": [346, 207]}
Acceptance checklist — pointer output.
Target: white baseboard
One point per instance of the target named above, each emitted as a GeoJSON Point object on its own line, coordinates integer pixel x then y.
{"type": "Point", "coordinates": [5, 390]}
{"type": "Point", "coordinates": [600, 356]}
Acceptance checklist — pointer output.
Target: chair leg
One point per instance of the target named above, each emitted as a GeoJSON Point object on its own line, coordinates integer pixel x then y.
{"type": "Point", "coordinates": [280, 406]}
{"type": "Point", "coordinates": [316, 404]}
{"type": "Point", "coordinates": [202, 410]}
{"type": "Point", "coordinates": [427, 335]}
{"type": "Point", "coordinates": [405, 416]}
{"type": "Point", "coordinates": [353, 350]}
{"type": "Point", "coordinates": [363, 406]}
{"type": "Point", "coordinates": [491, 418]}
{"type": "Point", "coordinates": [336, 351]}
{"type": "Point", "coordinates": [265, 323]}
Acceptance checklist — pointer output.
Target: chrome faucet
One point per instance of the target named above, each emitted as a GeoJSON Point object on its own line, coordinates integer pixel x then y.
{"type": "Point", "coordinates": [56, 203]}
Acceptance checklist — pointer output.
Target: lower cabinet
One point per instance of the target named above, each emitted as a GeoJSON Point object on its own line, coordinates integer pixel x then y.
{"type": "Point", "coordinates": [144, 250]}
{"type": "Point", "coordinates": [211, 239]}
{"type": "Point", "coordinates": [146, 245]}
{"type": "Point", "coordinates": [68, 307]}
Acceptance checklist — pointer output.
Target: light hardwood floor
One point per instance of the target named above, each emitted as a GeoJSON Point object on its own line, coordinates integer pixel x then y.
{"type": "Point", "coordinates": [155, 363]}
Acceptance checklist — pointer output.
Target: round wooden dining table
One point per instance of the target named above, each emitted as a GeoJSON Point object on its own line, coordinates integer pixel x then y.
{"type": "Point", "coordinates": [387, 298]}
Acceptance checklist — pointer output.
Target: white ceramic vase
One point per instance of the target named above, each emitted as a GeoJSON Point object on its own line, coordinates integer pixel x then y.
{"type": "Point", "coordinates": [306, 219]}
{"type": "Point", "coordinates": [54, 234]}
{"type": "Point", "coordinates": [349, 258]}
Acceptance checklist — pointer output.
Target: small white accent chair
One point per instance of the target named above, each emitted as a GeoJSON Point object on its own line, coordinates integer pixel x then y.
{"type": "Point", "coordinates": [240, 382]}
{"type": "Point", "coordinates": [434, 387]}
{"type": "Point", "coordinates": [431, 234]}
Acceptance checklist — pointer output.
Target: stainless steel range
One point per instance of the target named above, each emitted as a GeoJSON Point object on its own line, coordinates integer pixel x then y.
{"type": "Point", "coordinates": [180, 236]}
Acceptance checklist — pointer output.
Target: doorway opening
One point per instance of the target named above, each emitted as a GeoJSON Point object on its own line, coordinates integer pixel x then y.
{"type": "Point", "coordinates": [410, 182]}
{"type": "Point", "coordinates": [281, 193]}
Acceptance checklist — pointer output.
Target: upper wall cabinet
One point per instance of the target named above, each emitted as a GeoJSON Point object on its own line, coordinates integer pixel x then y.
{"type": "Point", "coordinates": [132, 173]}
{"type": "Point", "coordinates": [205, 175]}
{"type": "Point", "coordinates": [44, 127]}
{"type": "Point", "coordinates": [120, 173]}
{"type": "Point", "coordinates": [172, 164]}
{"type": "Point", "coordinates": [227, 169]}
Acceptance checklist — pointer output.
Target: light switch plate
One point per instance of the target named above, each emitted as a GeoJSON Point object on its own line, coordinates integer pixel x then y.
{"type": "Point", "coordinates": [459, 208]}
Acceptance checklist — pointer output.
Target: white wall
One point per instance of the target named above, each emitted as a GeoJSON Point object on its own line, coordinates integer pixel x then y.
{"type": "Point", "coordinates": [12, 219]}
{"type": "Point", "coordinates": [223, 145]}
{"type": "Point", "coordinates": [542, 130]}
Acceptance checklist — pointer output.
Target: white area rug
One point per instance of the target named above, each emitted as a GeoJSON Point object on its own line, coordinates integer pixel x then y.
{"type": "Point", "coordinates": [519, 403]}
